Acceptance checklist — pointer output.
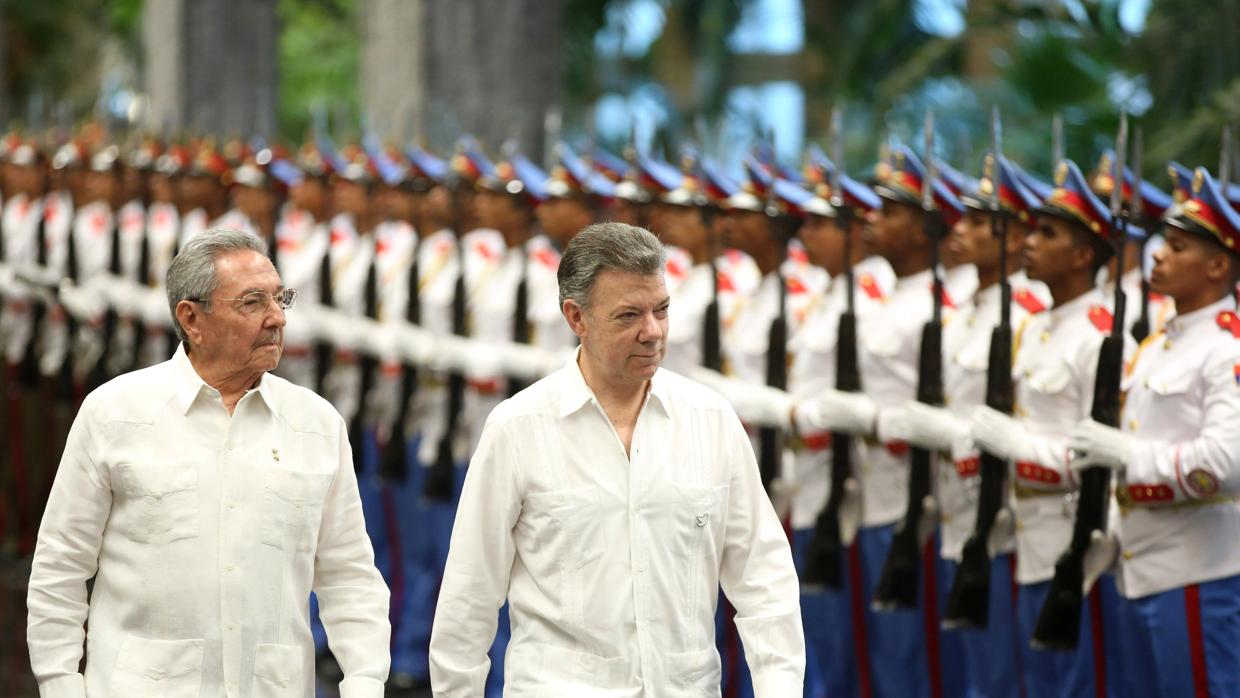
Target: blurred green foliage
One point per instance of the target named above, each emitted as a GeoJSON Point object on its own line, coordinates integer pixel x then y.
{"type": "Point", "coordinates": [319, 59]}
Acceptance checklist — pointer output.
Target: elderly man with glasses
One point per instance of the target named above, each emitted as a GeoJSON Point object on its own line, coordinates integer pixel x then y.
{"type": "Point", "coordinates": [207, 499]}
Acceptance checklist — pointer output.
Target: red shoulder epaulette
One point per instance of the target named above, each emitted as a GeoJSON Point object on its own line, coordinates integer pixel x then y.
{"type": "Point", "coordinates": [674, 268]}
{"type": "Point", "coordinates": [947, 298]}
{"type": "Point", "coordinates": [725, 282]}
{"type": "Point", "coordinates": [1025, 299]}
{"type": "Point", "coordinates": [547, 258]}
{"type": "Point", "coordinates": [485, 251]}
{"type": "Point", "coordinates": [869, 284]}
{"type": "Point", "coordinates": [795, 286]}
{"type": "Point", "coordinates": [1100, 315]}
{"type": "Point", "coordinates": [1228, 320]}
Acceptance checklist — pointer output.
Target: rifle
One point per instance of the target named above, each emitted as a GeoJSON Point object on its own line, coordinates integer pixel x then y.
{"type": "Point", "coordinates": [897, 586]}
{"type": "Point", "coordinates": [440, 481]}
{"type": "Point", "coordinates": [395, 459]}
{"type": "Point", "coordinates": [1141, 328]}
{"type": "Point", "coordinates": [825, 558]}
{"type": "Point", "coordinates": [28, 371]}
{"type": "Point", "coordinates": [968, 603]}
{"type": "Point", "coordinates": [520, 314]}
{"type": "Point", "coordinates": [1059, 622]}
{"type": "Point", "coordinates": [770, 439]}
{"type": "Point", "coordinates": [366, 363]}
{"type": "Point", "coordinates": [323, 350]}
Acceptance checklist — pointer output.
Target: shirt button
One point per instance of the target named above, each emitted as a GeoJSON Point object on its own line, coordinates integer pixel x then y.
{"type": "Point", "coordinates": [229, 568]}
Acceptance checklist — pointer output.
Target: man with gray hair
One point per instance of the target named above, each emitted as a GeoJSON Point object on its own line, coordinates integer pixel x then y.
{"type": "Point", "coordinates": [608, 503]}
{"type": "Point", "coordinates": [207, 499]}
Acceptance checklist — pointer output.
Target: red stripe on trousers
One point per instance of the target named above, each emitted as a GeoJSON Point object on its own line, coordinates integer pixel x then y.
{"type": "Point", "coordinates": [731, 650]}
{"type": "Point", "coordinates": [1100, 657]}
{"type": "Point", "coordinates": [394, 554]}
{"type": "Point", "coordinates": [930, 617]}
{"type": "Point", "coordinates": [865, 683]}
{"type": "Point", "coordinates": [1016, 658]}
{"type": "Point", "coordinates": [1196, 641]}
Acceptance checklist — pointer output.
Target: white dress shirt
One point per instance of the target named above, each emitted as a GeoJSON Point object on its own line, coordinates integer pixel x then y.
{"type": "Point", "coordinates": [205, 534]}
{"type": "Point", "coordinates": [611, 564]}
{"type": "Point", "coordinates": [1180, 521]}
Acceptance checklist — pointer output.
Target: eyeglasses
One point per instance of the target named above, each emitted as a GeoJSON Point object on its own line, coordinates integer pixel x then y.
{"type": "Point", "coordinates": [255, 302]}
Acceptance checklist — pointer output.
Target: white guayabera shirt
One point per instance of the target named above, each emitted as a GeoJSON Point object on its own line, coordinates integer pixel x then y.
{"type": "Point", "coordinates": [611, 564]}
{"type": "Point", "coordinates": [205, 534]}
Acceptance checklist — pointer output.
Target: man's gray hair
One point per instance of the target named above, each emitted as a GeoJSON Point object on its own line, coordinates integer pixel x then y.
{"type": "Point", "coordinates": [191, 276]}
{"type": "Point", "coordinates": [611, 245]}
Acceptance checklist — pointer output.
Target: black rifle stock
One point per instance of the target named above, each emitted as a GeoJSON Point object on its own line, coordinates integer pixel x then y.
{"type": "Point", "coordinates": [770, 439]}
{"type": "Point", "coordinates": [825, 558]}
{"type": "Point", "coordinates": [440, 483]}
{"type": "Point", "coordinates": [1059, 622]}
{"type": "Point", "coordinates": [897, 585]}
{"type": "Point", "coordinates": [395, 464]}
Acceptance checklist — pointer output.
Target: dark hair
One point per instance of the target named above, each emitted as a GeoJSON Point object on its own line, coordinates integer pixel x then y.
{"type": "Point", "coordinates": [609, 245]}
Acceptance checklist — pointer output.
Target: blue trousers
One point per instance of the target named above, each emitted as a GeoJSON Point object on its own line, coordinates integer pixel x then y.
{"type": "Point", "coordinates": [1182, 642]}
{"type": "Point", "coordinates": [1090, 669]}
{"type": "Point", "coordinates": [908, 655]}
{"type": "Point", "coordinates": [827, 616]}
{"type": "Point", "coordinates": [991, 660]}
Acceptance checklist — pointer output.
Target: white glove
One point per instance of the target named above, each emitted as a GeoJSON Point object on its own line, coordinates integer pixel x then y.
{"type": "Point", "coordinates": [998, 433]}
{"type": "Point", "coordinates": [835, 410]}
{"type": "Point", "coordinates": [1098, 444]}
{"type": "Point", "coordinates": [933, 428]}
{"type": "Point", "coordinates": [1001, 532]}
{"type": "Point", "coordinates": [850, 511]}
{"type": "Point", "coordinates": [929, 519]}
{"type": "Point", "coordinates": [1101, 556]}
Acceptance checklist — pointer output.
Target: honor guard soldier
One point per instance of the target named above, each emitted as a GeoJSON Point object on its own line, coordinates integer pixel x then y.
{"type": "Point", "coordinates": [990, 654]}
{"type": "Point", "coordinates": [1056, 359]}
{"type": "Point", "coordinates": [1176, 456]}
{"type": "Point", "coordinates": [302, 239]}
{"type": "Point", "coordinates": [576, 197]}
{"type": "Point", "coordinates": [833, 617]}
{"type": "Point", "coordinates": [906, 656]}
{"type": "Point", "coordinates": [1148, 310]}
{"type": "Point", "coordinates": [200, 191]}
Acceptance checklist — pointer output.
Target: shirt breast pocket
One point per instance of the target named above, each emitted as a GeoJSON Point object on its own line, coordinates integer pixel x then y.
{"type": "Point", "coordinates": [293, 508]}
{"type": "Point", "coordinates": [697, 519]}
{"type": "Point", "coordinates": [563, 525]}
{"type": "Point", "coordinates": [163, 501]}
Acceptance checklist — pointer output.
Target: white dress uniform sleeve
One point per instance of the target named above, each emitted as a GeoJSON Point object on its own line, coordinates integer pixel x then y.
{"type": "Point", "coordinates": [66, 556]}
{"type": "Point", "coordinates": [353, 598]}
{"type": "Point", "coordinates": [759, 579]}
{"type": "Point", "coordinates": [1209, 464]}
{"type": "Point", "coordinates": [476, 577]}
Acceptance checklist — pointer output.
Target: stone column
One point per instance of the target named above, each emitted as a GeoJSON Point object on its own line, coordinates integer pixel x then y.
{"type": "Point", "coordinates": [211, 65]}
{"type": "Point", "coordinates": [486, 67]}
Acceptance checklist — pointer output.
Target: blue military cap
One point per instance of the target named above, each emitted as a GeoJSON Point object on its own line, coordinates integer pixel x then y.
{"type": "Point", "coordinates": [905, 182]}
{"type": "Point", "coordinates": [521, 176]}
{"type": "Point", "coordinates": [957, 181]}
{"type": "Point", "coordinates": [573, 175]}
{"type": "Point", "coordinates": [1207, 212]}
{"type": "Point", "coordinates": [1001, 176]}
{"type": "Point", "coordinates": [818, 173]}
{"type": "Point", "coordinates": [1072, 200]}
{"type": "Point", "coordinates": [1154, 201]}
{"type": "Point", "coordinates": [286, 172]}
{"type": "Point", "coordinates": [657, 176]}
{"type": "Point", "coordinates": [391, 171]}
{"type": "Point", "coordinates": [425, 165]}
{"type": "Point", "coordinates": [471, 165]}
{"type": "Point", "coordinates": [1181, 181]}
{"type": "Point", "coordinates": [611, 166]}
{"type": "Point", "coordinates": [796, 200]}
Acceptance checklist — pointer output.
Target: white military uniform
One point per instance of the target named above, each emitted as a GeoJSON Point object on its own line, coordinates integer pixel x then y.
{"type": "Point", "coordinates": [395, 245]}
{"type": "Point", "coordinates": [21, 221]}
{"type": "Point", "coordinates": [58, 207]}
{"type": "Point", "coordinates": [131, 219]}
{"type": "Point", "coordinates": [92, 235]}
{"type": "Point", "coordinates": [1180, 521]}
{"type": "Point", "coordinates": [1056, 364]}
{"type": "Point", "coordinates": [548, 328]}
{"type": "Point", "coordinates": [350, 252]}
{"type": "Point", "coordinates": [438, 266]}
{"type": "Point", "coordinates": [966, 360]}
{"type": "Point", "coordinates": [814, 351]}
{"type": "Point", "coordinates": [163, 222]}
{"type": "Point", "coordinates": [691, 290]}
{"type": "Point", "coordinates": [301, 242]}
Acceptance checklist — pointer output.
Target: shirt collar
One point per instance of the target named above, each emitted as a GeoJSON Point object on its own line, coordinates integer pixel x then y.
{"type": "Point", "coordinates": [1208, 315]}
{"type": "Point", "coordinates": [187, 385]}
{"type": "Point", "coordinates": [575, 393]}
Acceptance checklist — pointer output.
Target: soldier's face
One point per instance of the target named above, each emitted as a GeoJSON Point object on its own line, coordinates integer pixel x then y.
{"type": "Point", "coordinates": [349, 197]}
{"type": "Point", "coordinates": [308, 195]}
{"type": "Point", "coordinates": [971, 240]}
{"type": "Point", "coordinates": [684, 227]}
{"type": "Point", "coordinates": [1053, 251]}
{"type": "Point", "coordinates": [233, 336]}
{"type": "Point", "coordinates": [890, 228]}
{"type": "Point", "coordinates": [494, 210]}
{"type": "Point", "coordinates": [161, 188]}
{"type": "Point", "coordinates": [749, 231]}
{"type": "Point", "coordinates": [623, 330]}
{"type": "Point", "coordinates": [1188, 264]}
{"type": "Point", "coordinates": [563, 218]}
{"type": "Point", "coordinates": [100, 186]}
{"type": "Point", "coordinates": [824, 243]}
